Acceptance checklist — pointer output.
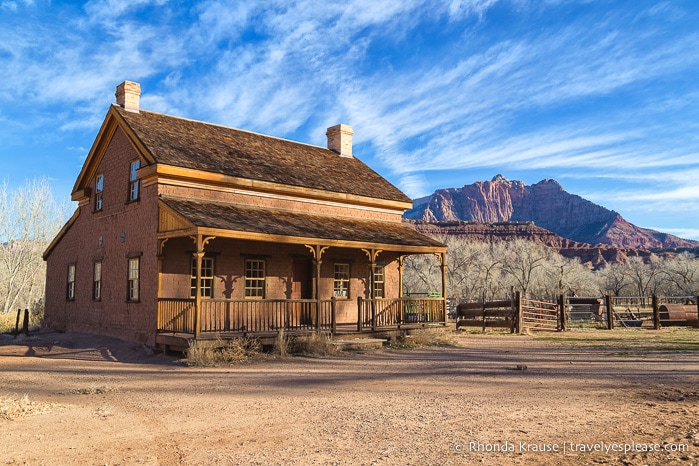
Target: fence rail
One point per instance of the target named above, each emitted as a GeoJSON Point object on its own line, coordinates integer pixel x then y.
{"type": "Point", "coordinates": [387, 312]}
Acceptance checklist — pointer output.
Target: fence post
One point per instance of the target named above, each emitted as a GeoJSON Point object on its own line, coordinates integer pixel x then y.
{"type": "Point", "coordinates": [19, 313]}
{"type": "Point", "coordinates": [373, 314]}
{"type": "Point", "coordinates": [696, 300]}
{"type": "Point", "coordinates": [656, 313]}
{"type": "Point", "coordinates": [610, 312]}
{"type": "Point", "coordinates": [562, 309]}
{"type": "Point", "coordinates": [25, 324]}
{"type": "Point", "coordinates": [483, 311]}
{"type": "Point", "coordinates": [520, 316]}
{"type": "Point", "coordinates": [359, 313]}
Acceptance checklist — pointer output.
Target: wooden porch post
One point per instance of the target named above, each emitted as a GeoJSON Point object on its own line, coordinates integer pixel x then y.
{"type": "Point", "coordinates": [443, 266]}
{"type": "Point", "coordinates": [400, 276]}
{"type": "Point", "coordinates": [317, 251]}
{"type": "Point", "coordinates": [197, 289]}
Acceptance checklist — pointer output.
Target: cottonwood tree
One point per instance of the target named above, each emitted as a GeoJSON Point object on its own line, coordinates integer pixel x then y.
{"type": "Point", "coordinates": [29, 219]}
{"type": "Point", "coordinates": [524, 262]}
{"type": "Point", "coordinates": [682, 273]}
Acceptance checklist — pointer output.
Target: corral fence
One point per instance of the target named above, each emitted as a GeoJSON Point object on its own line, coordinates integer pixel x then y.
{"type": "Point", "coordinates": [519, 313]}
{"type": "Point", "coordinates": [631, 312]}
{"type": "Point", "coordinates": [516, 313]}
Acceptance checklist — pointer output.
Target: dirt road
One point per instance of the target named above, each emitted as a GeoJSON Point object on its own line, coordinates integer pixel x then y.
{"type": "Point", "coordinates": [97, 401]}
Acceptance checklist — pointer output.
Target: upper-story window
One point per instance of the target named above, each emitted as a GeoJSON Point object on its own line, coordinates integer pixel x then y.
{"type": "Point", "coordinates": [134, 184]}
{"type": "Point", "coordinates": [99, 188]}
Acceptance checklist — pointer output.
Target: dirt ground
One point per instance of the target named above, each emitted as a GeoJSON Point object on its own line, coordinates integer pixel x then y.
{"type": "Point", "coordinates": [101, 401]}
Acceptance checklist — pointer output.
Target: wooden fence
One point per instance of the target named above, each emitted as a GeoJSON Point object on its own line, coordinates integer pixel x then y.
{"type": "Point", "coordinates": [608, 312]}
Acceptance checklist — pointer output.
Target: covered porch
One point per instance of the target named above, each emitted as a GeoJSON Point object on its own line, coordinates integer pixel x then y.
{"type": "Point", "coordinates": [228, 270]}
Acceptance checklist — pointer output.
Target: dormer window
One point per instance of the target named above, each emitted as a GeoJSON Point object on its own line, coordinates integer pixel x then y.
{"type": "Point", "coordinates": [134, 184]}
{"type": "Point", "coordinates": [99, 188]}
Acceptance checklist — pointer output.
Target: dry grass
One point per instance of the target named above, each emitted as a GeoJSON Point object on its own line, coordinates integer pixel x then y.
{"type": "Point", "coordinates": [235, 351]}
{"type": "Point", "coordinates": [316, 344]}
{"type": "Point", "coordinates": [425, 338]}
{"type": "Point", "coordinates": [12, 407]}
{"type": "Point", "coordinates": [8, 320]}
{"type": "Point", "coordinates": [281, 345]}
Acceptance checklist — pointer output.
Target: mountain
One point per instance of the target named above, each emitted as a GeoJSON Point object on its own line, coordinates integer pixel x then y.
{"type": "Point", "coordinates": [547, 205]}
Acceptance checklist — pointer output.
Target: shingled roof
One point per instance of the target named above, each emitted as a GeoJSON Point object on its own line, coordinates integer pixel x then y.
{"type": "Point", "coordinates": [239, 218]}
{"type": "Point", "coordinates": [204, 146]}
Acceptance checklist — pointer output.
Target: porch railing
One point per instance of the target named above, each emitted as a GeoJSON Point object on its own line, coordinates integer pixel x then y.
{"type": "Point", "coordinates": [176, 315]}
{"type": "Point", "coordinates": [266, 315]}
{"type": "Point", "coordinates": [394, 312]}
{"type": "Point", "coordinates": [273, 315]}
{"type": "Point", "coordinates": [246, 316]}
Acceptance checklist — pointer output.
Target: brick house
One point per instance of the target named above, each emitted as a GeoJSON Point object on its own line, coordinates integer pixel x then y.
{"type": "Point", "coordinates": [186, 229]}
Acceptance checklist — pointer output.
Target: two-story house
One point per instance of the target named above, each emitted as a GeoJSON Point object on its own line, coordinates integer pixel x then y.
{"type": "Point", "coordinates": [186, 229]}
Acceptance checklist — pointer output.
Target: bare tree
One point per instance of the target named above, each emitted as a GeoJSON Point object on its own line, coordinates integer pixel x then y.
{"type": "Point", "coordinates": [524, 261]}
{"type": "Point", "coordinates": [29, 219]}
{"type": "Point", "coordinates": [682, 273]}
{"type": "Point", "coordinates": [613, 279]}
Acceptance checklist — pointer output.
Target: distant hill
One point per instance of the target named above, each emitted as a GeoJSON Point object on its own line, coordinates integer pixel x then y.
{"type": "Point", "coordinates": [547, 205]}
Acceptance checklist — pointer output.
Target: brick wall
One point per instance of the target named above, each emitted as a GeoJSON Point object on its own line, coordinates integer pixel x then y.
{"type": "Point", "coordinates": [120, 230]}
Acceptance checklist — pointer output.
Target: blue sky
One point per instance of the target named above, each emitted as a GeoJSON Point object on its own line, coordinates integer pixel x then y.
{"type": "Point", "coordinates": [602, 96]}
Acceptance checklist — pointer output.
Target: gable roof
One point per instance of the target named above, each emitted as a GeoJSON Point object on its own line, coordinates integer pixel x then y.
{"type": "Point", "coordinates": [219, 149]}
{"type": "Point", "coordinates": [252, 222]}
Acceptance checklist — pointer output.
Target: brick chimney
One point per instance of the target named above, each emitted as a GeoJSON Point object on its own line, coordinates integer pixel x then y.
{"type": "Point", "coordinates": [128, 95]}
{"type": "Point", "coordinates": [340, 139]}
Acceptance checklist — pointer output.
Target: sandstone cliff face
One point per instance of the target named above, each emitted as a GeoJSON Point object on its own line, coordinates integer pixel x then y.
{"type": "Point", "coordinates": [547, 205]}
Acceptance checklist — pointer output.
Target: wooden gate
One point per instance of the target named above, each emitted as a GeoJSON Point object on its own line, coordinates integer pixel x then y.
{"type": "Point", "coordinates": [539, 315]}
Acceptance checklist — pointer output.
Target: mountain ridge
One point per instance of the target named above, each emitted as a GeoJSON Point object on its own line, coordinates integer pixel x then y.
{"type": "Point", "coordinates": [547, 205]}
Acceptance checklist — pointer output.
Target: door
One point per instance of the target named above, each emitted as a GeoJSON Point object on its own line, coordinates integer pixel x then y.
{"type": "Point", "coordinates": [301, 288]}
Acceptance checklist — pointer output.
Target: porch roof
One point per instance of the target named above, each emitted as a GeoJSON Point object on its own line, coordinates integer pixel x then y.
{"type": "Point", "coordinates": [276, 225]}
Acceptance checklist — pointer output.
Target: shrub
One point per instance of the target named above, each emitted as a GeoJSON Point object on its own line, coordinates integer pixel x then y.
{"type": "Point", "coordinates": [234, 351]}
{"type": "Point", "coordinates": [425, 338]}
{"type": "Point", "coordinates": [316, 344]}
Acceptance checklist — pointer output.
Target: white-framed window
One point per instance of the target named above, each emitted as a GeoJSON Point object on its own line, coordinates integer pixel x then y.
{"type": "Point", "coordinates": [341, 280]}
{"type": "Point", "coordinates": [255, 278]}
{"type": "Point", "coordinates": [99, 189]}
{"type": "Point", "coordinates": [134, 278]}
{"type": "Point", "coordinates": [134, 184]}
{"type": "Point", "coordinates": [206, 284]}
{"type": "Point", "coordinates": [70, 285]}
{"type": "Point", "coordinates": [379, 281]}
{"type": "Point", "coordinates": [97, 281]}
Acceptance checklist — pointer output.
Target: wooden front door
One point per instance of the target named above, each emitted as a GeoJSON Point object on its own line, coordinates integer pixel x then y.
{"type": "Point", "coordinates": [301, 288]}
{"type": "Point", "coordinates": [302, 279]}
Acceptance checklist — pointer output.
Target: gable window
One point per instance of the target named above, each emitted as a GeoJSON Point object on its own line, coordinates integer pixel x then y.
{"type": "Point", "coordinates": [97, 281]}
{"type": "Point", "coordinates": [379, 281]}
{"type": "Point", "coordinates": [99, 188]}
{"type": "Point", "coordinates": [70, 287]}
{"type": "Point", "coordinates": [341, 279]}
{"type": "Point", "coordinates": [134, 278]}
{"type": "Point", "coordinates": [254, 278]}
{"type": "Point", "coordinates": [206, 284]}
{"type": "Point", "coordinates": [134, 184]}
